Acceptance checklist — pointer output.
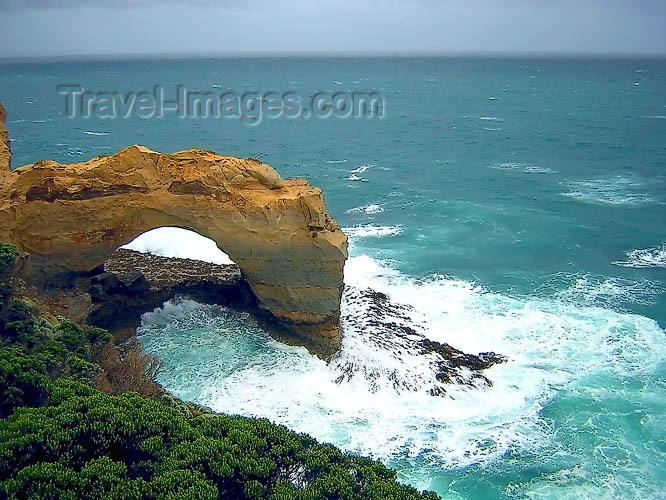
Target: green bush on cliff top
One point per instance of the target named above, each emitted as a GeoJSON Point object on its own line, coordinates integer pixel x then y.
{"type": "Point", "coordinates": [92, 445]}
{"type": "Point", "coordinates": [8, 255]}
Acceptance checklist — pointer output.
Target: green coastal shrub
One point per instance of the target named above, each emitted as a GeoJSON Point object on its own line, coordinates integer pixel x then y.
{"type": "Point", "coordinates": [18, 324]}
{"type": "Point", "coordinates": [5, 293]}
{"type": "Point", "coordinates": [23, 381]}
{"type": "Point", "coordinates": [8, 255]}
{"type": "Point", "coordinates": [73, 337]}
{"type": "Point", "coordinates": [63, 351]}
{"type": "Point", "coordinates": [92, 445]}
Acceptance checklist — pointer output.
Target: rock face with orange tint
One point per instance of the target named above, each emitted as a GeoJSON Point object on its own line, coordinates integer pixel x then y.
{"type": "Point", "coordinates": [5, 146]}
{"type": "Point", "coordinates": [70, 218]}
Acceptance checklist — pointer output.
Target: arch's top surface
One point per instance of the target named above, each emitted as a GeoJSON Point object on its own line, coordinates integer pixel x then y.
{"type": "Point", "coordinates": [72, 217]}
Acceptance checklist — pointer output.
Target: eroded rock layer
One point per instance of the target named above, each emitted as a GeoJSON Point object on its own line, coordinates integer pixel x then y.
{"type": "Point", "coordinates": [5, 146]}
{"type": "Point", "coordinates": [71, 218]}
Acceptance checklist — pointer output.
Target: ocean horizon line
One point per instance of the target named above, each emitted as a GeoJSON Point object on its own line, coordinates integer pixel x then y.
{"type": "Point", "coordinates": [336, 55]}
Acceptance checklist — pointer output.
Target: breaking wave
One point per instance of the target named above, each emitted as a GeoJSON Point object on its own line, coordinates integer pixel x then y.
{"type": "Point", "coordinates": [372, 231]}
{"type": "Point", "coordinates": [648, 257]}
{"type": "Point", "coordinates": [371, 208]}
{"type": "Point", "coordinates": [523, 168]}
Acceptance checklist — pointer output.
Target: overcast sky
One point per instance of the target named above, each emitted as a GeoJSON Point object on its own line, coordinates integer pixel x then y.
{"type": "Point", "coordinates": [83, 27]}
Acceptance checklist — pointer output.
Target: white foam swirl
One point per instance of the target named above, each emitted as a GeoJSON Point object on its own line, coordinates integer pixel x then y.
{"type": "Point", "coordinates": [371, 208]}
{"type": "Point", "coordinates": [647, 257]}
{"type": "Point", "coordinates": [523, 168]}
{"type": "Point", "coordinates": [372, 231]}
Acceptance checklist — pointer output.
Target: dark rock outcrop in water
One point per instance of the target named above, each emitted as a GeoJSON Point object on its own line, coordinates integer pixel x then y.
{"type": "Point", "coordinates": [71, 218]}
{"type": "Point", "coordinates": [409, 361]}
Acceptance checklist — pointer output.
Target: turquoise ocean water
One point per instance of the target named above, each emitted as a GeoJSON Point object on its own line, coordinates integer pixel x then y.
{"type": "Point", "coordinates": [517, 205]}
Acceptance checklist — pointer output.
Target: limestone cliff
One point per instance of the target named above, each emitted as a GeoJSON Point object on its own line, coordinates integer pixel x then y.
{"type": "Point", "coordinates": [5, 146]}
{"type": "Point", "coordinates": [71, 218]}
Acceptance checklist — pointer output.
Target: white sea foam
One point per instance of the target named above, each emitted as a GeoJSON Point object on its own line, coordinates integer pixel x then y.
{"type": "Point", "coordinates": [523, 168]}
{"type": "Point", "coordinates": [551, 346]}
{"type": "Point", "coordinates": [178, 242]}
{"type": "Point", "coordinates": [335, 161]}
{"type": "Point", "coordinates": [356, 178]}
{"type": "Point", "coordinates": [361, 169]}
{"type": "Point", "coordinates": [647, 257]}
{"type": "Point", "coordinates": [90, 132]}
{"type": "Point", "coordinates": [603, 291]}
{"type": "Point", "coordinates": [372, 231]}
{"type": "Point", "coordinates": [490, 119]}
{"type": "Point", "coordinates": [372, 208]}
{"type": "Point", "coordinates": [617, 190]}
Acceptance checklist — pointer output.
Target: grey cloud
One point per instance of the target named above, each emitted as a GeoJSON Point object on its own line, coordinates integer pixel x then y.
{"type": "Point", "coordinates": [109, 4]}
{"type": "Point", "coordinates": [239, 26]}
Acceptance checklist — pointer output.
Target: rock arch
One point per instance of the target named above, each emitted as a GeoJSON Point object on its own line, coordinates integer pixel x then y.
{"type": "Point", "coordinates": [70, 218]}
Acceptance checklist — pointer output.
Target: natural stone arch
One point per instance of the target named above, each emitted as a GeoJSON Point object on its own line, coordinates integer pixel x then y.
{"type": "Point", "coordinates": [71, 218]}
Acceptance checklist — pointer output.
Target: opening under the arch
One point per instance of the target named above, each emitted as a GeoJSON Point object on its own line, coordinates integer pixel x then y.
{"type": "Point", "coordinates": [180, 243]}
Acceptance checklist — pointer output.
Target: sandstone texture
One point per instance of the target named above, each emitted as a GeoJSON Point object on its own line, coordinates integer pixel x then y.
{"type": "Point", "coordinates": [5, 146]}
{"type": "Point", "coordinates": [71, 218]}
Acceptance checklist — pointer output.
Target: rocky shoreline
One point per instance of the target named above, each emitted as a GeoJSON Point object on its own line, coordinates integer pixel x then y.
{"type": "Point", "coordinates": [133, 283]}
{"type": "Point", "coordinates": [130, 283]}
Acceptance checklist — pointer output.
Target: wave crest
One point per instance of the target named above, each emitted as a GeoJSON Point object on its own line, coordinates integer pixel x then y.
{"type": "Point", "coordinates": [642, 258]}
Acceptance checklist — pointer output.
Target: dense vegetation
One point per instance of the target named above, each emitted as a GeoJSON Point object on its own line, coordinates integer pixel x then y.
{"type": "Point", "coordinates": [61, 437]}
